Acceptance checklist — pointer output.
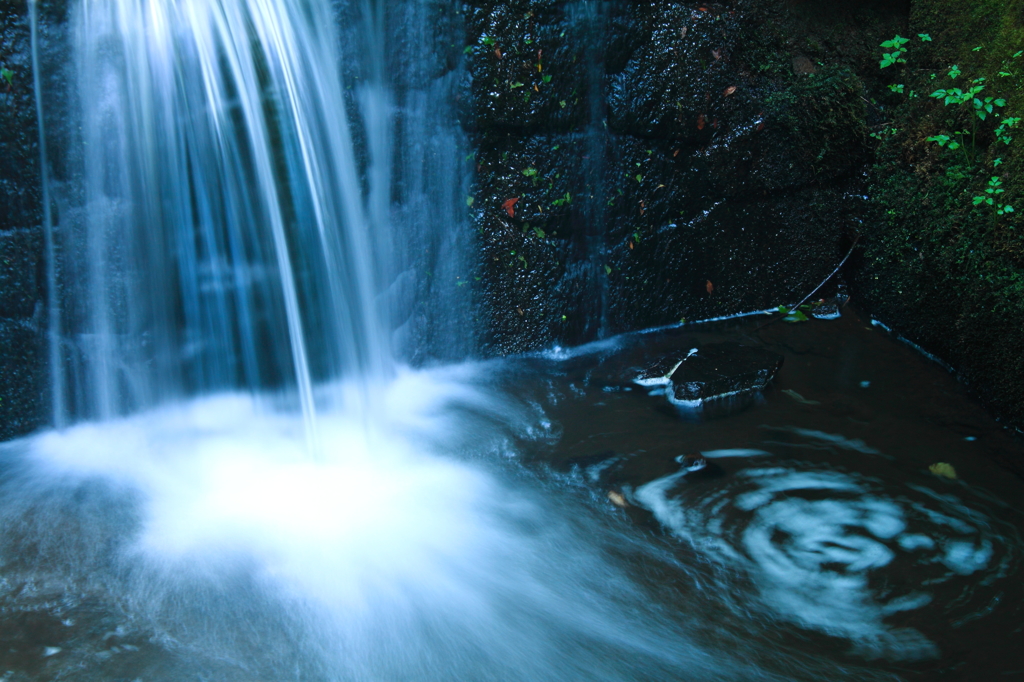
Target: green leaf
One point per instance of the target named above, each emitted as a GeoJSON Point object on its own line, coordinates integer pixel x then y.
{"type": "Point", "coordinates": [7, 75]}
{"type": "Point", "coordinates": [924, 37]}
{"type": "Point", "coordinates": [1007, 209]}
{"type": "Point", "coordinates": [546, 78]}
{"type": "Point", "coordinates": [530, 172]}
{"type": "Point", "coordinates": [539, 232]}
{"type": "Point", "coordinates": [999, 103]}
{"type": "Point", "coordinates": [796, 316]}
{"type": "Point", "coordinates": [996, 162]}
{"type": "Point", "coordinates": [954, 145]}
{"type": "Point", "coordinates": [978, 200]}
{"type": "Point", "coordinates": [977, 49]}
{"type": "Point", "coordinates": [639, 178]}
{"type": "Point", "coordinates": [607, 269]}
{"type": "Point", "coordinates": [562, 103]}
{"type": "Point", "coordinates": [517, 84]}
{"type": "Point", "coordinates": [954, 71]}
{"type": "Point", "coordinates": [469, 201]}
{"type": "Point", "coordinates": [1017, 54]}
{"type": "Point", "coordinates": [469, 49]}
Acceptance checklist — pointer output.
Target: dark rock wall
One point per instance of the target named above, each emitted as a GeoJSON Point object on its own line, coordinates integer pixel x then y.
{"type": "Point", "coordinates": [643, 163]}
{"type": "Point", "coordinates": [22, 315]}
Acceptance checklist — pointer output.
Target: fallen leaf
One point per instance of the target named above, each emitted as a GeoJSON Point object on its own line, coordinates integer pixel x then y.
{"type": "Point", "coordinates": [509, 206]}
{"type": "Point", "coordinates": [760, 127]}
{"type": "Point", "coordinates": [703, 9]}
{"type": "Point", "coordinates": [630, 244]}
{"type": "Point", "coordinates": [682, 32]}
{"type": "Point", "coordinates": [716, 54]}
{"type": "Point", "coordinates": [617, 499]}
{"type": "Point", "coordinates": [497, 52]}
{"type": "Point", "coordinates": [700, 122]}
{"type": "Point", "coordinates": [799, 398]}
{"type": "Point", "coordinates": [729, 90]}
{"type": "Point", "coordinates": [943, 469]}
{"type": "Point", "coordinates": [520, 311]}
{"type": "Point", "coordinates": [709, 286]}
{"type": "Point", "coordinates": [675, 153]}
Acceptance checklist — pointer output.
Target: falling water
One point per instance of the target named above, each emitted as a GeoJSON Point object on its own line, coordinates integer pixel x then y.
{"type": "Point", "coordinates": [229, 236]}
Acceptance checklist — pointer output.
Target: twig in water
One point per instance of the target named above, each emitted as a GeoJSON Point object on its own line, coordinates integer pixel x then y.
{"type": "Point", "coordinates": [804, 299]}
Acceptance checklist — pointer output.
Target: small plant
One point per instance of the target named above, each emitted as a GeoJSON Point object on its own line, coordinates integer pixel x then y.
{"type": "Point", "coordinates": [991, 197]}
{"type": "Point", "coordinates": [896, 56]}
{"type": "Point", "coordinates": [563, 201]}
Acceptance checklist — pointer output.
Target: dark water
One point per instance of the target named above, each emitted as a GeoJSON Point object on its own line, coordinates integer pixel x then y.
{"type": "Point", "coordinates": [470, 535]}
{"type": "Point", "coordinates": [817, 510]}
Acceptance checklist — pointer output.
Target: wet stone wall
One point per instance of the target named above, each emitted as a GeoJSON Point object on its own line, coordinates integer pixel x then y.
{"type": "Point", "coordinates": [642, 163]}
{"type": "Point", "coordinates": [22, 276]}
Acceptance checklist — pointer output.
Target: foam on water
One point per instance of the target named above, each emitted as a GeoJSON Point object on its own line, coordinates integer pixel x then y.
{"type": "Point", "coordinates": [396, 557]}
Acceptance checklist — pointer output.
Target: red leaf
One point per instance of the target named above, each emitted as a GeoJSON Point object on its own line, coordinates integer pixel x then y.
{"type": "Point", "coordinates": [509, 206]}
{"type": "Point", "coordinates": [703, 9]}
{"type": "Point", "coordinates": [709, 286]}
{"type": "Point", "coordinates": [760, 127]}
{"type": "Point", "coordinates": [700, 122]}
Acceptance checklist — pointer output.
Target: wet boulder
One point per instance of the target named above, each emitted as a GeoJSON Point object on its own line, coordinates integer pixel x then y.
{"type": "Point", "coordinates": [710, 372]}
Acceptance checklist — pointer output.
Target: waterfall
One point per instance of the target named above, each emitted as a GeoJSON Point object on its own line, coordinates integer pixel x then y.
{"type": "Point", "coordinates": [229, 234]}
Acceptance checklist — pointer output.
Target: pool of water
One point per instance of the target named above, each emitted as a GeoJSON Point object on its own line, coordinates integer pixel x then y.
{"type": "Point", "coordinates": [529, 519]}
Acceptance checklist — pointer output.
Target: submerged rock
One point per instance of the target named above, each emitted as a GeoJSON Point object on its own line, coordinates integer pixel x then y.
{"type": "Point", "coordinates": [713, 371]}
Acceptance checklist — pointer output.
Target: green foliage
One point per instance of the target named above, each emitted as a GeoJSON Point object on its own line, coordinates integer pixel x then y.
{"type": "Point", "coordinates": [8, 76]}
{"type": "Point", "coordinates": [896, 56]}
{"type": "Point", "coordinates": [563, 201]}
{"type": "Point", "coordinates": [991, 197]}
{"type": "Point", "coordinates": [971, 106]}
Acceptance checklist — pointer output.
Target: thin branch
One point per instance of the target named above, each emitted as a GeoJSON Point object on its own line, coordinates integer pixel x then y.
{"type": "Point", "coordinates": [823, 282]}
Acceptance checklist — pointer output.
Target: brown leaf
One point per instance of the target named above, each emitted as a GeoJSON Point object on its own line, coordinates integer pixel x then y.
{"type": "Point", "coordinates": [497, 52]}
{"type": "Point", "coordinates": [729, 90]}
{"type": "Point", "coordinates": [675, 153]}
{"type": "Point", "coordinates": [703, 9]}
{"type": "Point", "coordinates": [520, 311]}
{"type": "Point", "coordinates": [716, 54]}
{"type": "Point", "coordinates": [709, 286]}
{"type": "Point", "coordinates": [509, 206]}
{"type": "Point", "coordinates": [630, 242]}
{"type": "Point", "coordinates": [760, 127]}
{"type": "Point", "coordinates": [700, 122]}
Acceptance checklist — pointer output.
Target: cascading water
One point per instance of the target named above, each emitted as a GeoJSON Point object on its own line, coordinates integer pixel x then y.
{"type": "Point", "coordinates": [225, 238]}
{"type": "Point", "coordinates": [247, 481]}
